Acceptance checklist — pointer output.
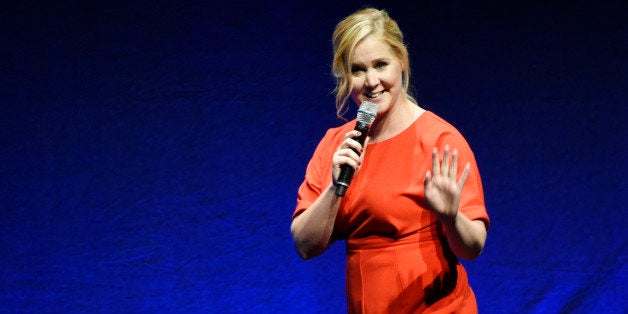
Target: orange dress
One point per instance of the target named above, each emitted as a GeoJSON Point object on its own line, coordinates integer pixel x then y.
{"type": "Point", "coordinates": [398, 259]}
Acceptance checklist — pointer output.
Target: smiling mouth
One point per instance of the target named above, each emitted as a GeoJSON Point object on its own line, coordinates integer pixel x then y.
{"type": "Point", "coordinates": [373, 95]}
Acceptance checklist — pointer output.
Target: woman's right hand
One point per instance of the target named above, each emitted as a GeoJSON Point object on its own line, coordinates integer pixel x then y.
{"type": "Point", "coordinates": [350, 152]}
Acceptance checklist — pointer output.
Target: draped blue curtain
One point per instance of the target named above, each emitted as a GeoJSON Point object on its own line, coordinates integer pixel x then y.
{"type": "Point", "coordinates": [151, 150]}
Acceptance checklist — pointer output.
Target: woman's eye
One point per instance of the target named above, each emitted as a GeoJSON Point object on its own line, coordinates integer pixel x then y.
{"type": "Point", "coordinates": [356, 70]}
{"type": "Point", "coordinates": [381, 65]}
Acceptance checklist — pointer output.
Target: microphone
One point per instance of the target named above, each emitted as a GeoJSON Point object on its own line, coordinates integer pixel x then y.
{"type": "Point", "coordinates": [366, 116]}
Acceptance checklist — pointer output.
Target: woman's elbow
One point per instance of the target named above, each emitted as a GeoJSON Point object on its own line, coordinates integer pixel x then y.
{"type": "Point", "coordinates": [306, 244]}
{"type": "Point", "coordinates": [307, 249]}
{"type": "Point", "coordinates": [305, 253]}
{"type": "Point", "coordinates": [473, 251]}
{"type": "Point", "coordinates": [472, 254]}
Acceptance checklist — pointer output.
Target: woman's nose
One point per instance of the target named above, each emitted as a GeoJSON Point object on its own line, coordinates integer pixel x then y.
{"type": "Point", "coordinates": [371, 78]}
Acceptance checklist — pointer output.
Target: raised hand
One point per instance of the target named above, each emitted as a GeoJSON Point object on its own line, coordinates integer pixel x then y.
{"type": "Point", "coordinates": [441, 189]}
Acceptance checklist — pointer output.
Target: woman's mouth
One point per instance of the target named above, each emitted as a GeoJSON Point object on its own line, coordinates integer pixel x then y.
{"type": "Point", "coordinates": [374, 95]}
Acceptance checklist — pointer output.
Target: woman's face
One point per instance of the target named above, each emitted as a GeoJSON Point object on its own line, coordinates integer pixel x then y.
{"type": "Point", "coordinates": [376, 74]}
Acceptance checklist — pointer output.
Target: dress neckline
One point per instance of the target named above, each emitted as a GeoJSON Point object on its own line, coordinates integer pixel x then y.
{"type": "Point", "coordinates": [406, 130]}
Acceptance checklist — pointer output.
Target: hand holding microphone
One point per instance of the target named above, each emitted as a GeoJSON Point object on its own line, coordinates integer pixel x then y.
{"type": "Point", "coordinates": [366, 115]}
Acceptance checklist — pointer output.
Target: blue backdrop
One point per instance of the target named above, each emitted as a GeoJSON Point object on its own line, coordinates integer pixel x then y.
{"type": "Point", "coordinates": [151, 150]}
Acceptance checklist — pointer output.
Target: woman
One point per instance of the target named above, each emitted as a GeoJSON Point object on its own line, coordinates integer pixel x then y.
{"type": "Point", "coordinates": [406, 217]}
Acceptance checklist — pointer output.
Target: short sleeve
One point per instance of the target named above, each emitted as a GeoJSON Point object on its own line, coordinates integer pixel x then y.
{"type": "Point", "coordinates": [318, 171]}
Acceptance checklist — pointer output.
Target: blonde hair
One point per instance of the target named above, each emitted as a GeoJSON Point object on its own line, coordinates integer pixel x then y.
{"type": "Point", "coordinates": [348, 33]}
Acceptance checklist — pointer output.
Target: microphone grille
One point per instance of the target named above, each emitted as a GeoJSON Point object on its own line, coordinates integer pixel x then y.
{"type": "Point", "coordinates": [367, 112]}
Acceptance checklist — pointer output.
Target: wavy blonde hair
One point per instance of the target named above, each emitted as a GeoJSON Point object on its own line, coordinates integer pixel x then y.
{"type": "Point", "coordinates": [348, 33]}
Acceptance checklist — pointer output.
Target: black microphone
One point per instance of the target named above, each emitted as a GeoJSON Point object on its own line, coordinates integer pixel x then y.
{"type": "Point", "coordinates": [366, 115]}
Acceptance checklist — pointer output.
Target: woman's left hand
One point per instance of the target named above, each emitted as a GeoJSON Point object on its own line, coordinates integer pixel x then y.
{"type": "Point", "coordinates": [441, 189]}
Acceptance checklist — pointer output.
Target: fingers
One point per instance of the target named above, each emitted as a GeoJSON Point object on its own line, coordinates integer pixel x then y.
{"type": "Point", "coordinates": [349, 151]}
{"type": "Point", "coordinates": [453, 172]}
{"type": "Point", "coordinates": [340, 160]}
{"type": "Point", "coordinates": [366, 143]}
{"type": "Point", "coordinates": [349, 142]}
{"type": "Point", "coordinates": [448, 168]}
{"type": "Point", "coordinates": [435, 165]}
{"type": "Point", "coordinates": [465, 174]}
{"type": "Point", "coordinates": [445, 167]}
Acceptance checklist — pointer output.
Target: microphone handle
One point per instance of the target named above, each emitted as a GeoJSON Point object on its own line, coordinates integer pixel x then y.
{"type": "Point", "coordinates": [346, 171]}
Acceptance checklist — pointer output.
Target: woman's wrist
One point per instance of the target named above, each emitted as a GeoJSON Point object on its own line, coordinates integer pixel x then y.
{"type": "Point", "coordinates": [334, 182]}
{"type": "Point", "coordinates": [449, 221]}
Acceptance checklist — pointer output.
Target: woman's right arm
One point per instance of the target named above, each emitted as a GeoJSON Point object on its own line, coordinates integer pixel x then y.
{"type": "Point", "coordinates": [311, 230]}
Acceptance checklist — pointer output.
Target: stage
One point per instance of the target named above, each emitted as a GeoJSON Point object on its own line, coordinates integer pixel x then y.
{"type": "Point", "coordinates": [151, 151]}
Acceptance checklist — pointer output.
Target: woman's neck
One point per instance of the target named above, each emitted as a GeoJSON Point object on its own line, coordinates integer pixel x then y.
{"type": "Point", "coordinates": [395, 121]}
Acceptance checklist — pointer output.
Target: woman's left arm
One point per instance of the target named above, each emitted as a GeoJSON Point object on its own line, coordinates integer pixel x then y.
{"type": "Point", "coordinates": [466, 237]}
